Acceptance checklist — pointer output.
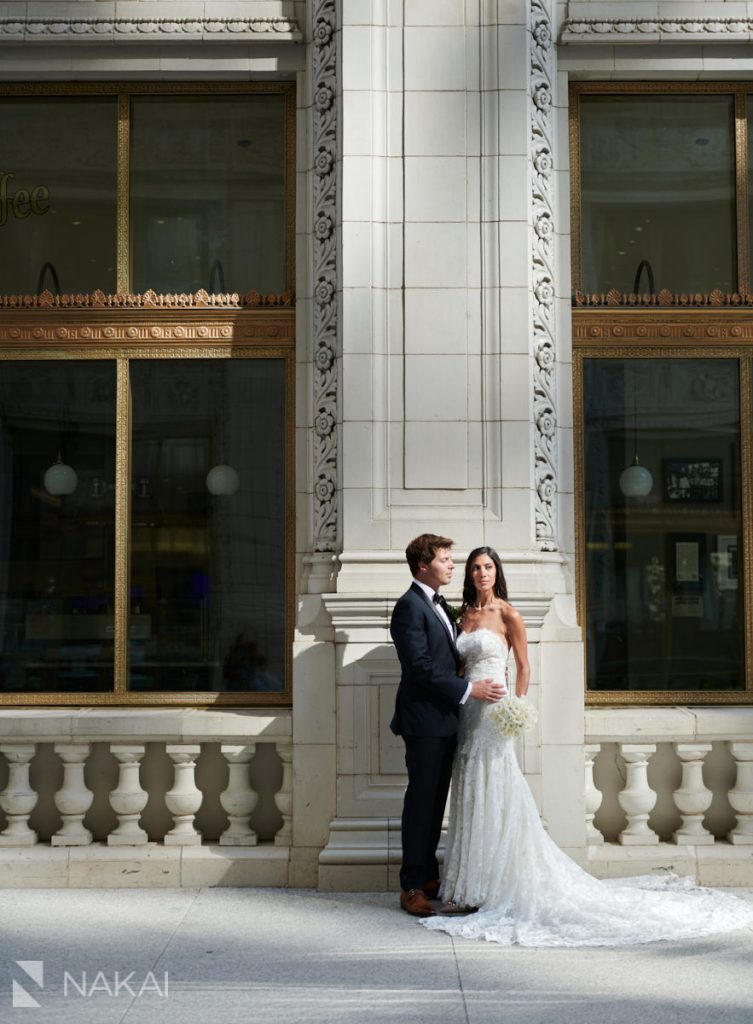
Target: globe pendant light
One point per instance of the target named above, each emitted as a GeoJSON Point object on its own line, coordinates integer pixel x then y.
{"type": "Point", "coordinates": [222, 479]}
{"type": "Point", "coordinates": [60, 478]}
{"type": "Point", "coordinates": [635, 481]}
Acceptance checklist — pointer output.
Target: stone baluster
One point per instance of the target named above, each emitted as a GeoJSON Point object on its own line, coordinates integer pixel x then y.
{"type": "Point", "coordinates": [18, 799]}
{"type": "Point", "coordinates": [284, 797]}
{"type": "Point", "coordinates": [692, 799]}
{"type": "Point", "coordinates": [184, 799]}
{"type": "Point", "coordinates": [239, 799]}
{"type": "Point", "coordinates": [129, 799]}
{"type": "Point", "coordinates": [637, 799]}
{"type": "Point", "coordinates": [73, 799]}
{"type": "Point", "coordinates": [741, 796]}
{"type": "Point", "coordinates": [593, 796]}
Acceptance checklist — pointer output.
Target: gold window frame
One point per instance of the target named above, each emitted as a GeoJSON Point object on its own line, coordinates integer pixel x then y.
{"type": "Point", "coordinates": [124, 325]}
{"type": "Point", "coordinates": [714, 325]}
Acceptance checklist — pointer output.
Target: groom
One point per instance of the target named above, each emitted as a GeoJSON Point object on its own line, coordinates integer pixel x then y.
{"type": "Point", "coordinates": [426, 713]}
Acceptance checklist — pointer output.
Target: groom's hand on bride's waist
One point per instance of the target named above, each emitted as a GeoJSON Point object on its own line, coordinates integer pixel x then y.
{"type": "Point", "coordinates": [488, 689]}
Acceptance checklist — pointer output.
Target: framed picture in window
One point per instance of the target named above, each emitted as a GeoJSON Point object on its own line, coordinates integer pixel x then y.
{"type": "Point", "coordinates": [725, 561]}
{"type": "Point", "coordinates": [687, 557]}
{"type": "Point", "coordinates": [692, 480]}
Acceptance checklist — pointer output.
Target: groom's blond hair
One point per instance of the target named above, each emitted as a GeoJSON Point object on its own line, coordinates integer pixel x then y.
{"type": "Point", "coordinates": [422, 550]}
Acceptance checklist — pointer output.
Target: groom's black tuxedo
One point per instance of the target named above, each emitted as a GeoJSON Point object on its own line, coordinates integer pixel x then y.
{"type": "Point", "coordinates": [426, 716]}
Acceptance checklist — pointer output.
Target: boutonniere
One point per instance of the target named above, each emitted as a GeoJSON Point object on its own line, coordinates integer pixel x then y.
{"type": "Point", "coordinates": [455, 614]}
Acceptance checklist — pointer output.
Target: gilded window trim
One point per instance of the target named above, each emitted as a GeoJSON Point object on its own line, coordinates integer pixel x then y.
{"type": "Point", "coordinates": [653, 344]}
{"type": "Point", "coordinates": [79, 335]}
{"type": "Point", "coordinates": [738, 90]}
{"type": "Point", "coordinates": [123, 92]}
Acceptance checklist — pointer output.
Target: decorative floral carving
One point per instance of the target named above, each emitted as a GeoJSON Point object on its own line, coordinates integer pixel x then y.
{"type": "Point", "coordinates": [324, 115]}
{"type": "Point", "coordinates": [147, 300]}
{"type": "Point", "coordinates": [584, 30]}
{"type": "Point", "coordinates": [663, 299]}
{"type": "Point", "coordinates": [165, 28]}
{"type": "Point", "coordinates": [540, 77]}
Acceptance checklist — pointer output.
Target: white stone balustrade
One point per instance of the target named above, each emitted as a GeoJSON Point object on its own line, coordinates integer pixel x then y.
{"type": "Point", "coordinates": [284, 797]}
{"type": "Point", "coordinates": [18, 799]}
{"type": "Point", "coordinates": [705, 798]}
{"type": "Point", "coordinates": [692, 798]}
{"type": "Point", "coordinates": [74, 798]}
{"type": "Point", "coordinates": [637, 799]}
{"type": "Point", "coordinates": [182, 734]}
{"type": "Point", "coordinates": [741, 795]}
{"type": "Point", "coordinates": [129, 799]}
{"type": "Point", "coordinates": [593, 797]}
{"type": "Point", "coordinates": [238, 799]}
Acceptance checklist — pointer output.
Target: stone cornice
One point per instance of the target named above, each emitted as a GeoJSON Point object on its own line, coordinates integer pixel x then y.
{"type": "Point", "coordinates": [144, 30]}
{"type": "Point", "coordinates": [627, 31]}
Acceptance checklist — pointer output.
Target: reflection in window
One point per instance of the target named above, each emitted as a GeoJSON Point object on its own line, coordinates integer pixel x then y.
{"type": "Point", "coordinates": [664, 605]}
{"type": "Point", "coordinates": [57, 194]}
{"type": "Point", "coordinates": [208, 526]}
{"type": "Point", "coordinates": [657, 185]}
{"type": "Point", "coordinates": [57, 471]}
{"type": "Point", "coordinates": [207, 193]}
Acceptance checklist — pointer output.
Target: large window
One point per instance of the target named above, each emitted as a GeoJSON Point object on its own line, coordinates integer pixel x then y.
{"type": "Point", "coordinates": [147, 334]}
{"type": "Point", "coordinates": [139, 188]}
{"type": "Point", "coordinates": [663, 377]}
{"type": "Point", "coordinates": [145, 498]}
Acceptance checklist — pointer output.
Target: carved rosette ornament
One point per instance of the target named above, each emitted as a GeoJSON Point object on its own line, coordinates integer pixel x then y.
{"type": "Point", "coordinates": [540, 71]}
{"type": "Point", "coordinates": [325, 275]}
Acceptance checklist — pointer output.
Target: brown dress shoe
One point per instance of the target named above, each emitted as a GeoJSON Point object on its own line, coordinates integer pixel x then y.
{"type": "Point", "coordinates": [457, 908]}
{"type": "Point", "coordinates": [431, 889]}
{"type": "Point", "coordinates": [414, 901]}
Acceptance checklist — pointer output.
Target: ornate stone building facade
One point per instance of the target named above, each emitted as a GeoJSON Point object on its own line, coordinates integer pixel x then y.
{"type": "Point", "coordinates": [425, 187]}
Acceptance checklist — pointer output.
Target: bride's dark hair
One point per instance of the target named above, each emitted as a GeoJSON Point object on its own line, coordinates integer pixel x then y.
{"type": "Point", "coordinates": [500, 583]}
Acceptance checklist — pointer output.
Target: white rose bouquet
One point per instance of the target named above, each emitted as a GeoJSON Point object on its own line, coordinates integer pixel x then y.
{"type": "Point", "coordinates": [514, 715]}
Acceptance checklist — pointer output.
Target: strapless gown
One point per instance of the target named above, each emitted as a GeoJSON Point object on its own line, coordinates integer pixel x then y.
{"type": "Point", "coordinates": [499, 858]}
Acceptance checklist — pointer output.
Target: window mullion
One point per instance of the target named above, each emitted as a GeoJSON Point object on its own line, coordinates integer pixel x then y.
{"type": "Point", "coordinates": [123, 183]}
{"type": "Point", "coordinates": [122, 525]}
{"type": "Point", "coordinates": [741, 190]}
{"type": "Point", "coordinates": [746, 474]}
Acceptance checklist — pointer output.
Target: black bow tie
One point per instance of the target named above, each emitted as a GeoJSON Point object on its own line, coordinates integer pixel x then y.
{"type": "Point", "coordinates": [438, 599]}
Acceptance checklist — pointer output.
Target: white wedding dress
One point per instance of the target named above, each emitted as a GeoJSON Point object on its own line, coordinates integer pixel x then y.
{"type": "Point", "coordinates": [499, 858]}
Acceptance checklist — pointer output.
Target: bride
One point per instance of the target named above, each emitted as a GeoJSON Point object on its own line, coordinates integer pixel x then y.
{"type": "Point", "coordinates": [498, 857]}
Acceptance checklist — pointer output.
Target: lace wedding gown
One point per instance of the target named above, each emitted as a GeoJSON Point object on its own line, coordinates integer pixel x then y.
{"type": "Point", "coordinates": [500, 859]}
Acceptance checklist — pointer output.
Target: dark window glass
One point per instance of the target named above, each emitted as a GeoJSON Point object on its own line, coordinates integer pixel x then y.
{"type": "Point", "coordinates": [657, 188]}
{"type": "Point", "coordinates": [207, 193]}
{"type": "Point", "coordinates": [664, 598]}
{"type": "Point", "coordinates": [208, 525]}
{"type": "Point", "coordinates": [57, 194]}
{"type": "Point", "coordinates": [57, 521]}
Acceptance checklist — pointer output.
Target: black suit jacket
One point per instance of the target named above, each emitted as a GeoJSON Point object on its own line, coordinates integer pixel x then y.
{"type": "Point", "coordinates": [430, 689]}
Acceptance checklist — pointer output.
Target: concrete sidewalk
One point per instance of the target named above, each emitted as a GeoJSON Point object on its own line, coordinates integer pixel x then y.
{"type": "Point", "coordinates": [238, 956]}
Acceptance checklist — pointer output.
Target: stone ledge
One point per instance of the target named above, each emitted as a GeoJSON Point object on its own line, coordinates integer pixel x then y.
{"type": "Point", "coordinates": [150, 866]}
{"type": "Point", "coordinates": [667, 724]}
{"type": "Point", "coordinates": [721, 864]}
{"type": "Point", "coordinates": [139, 725]}
{"type": "Point", "coordinates": [632, 31]}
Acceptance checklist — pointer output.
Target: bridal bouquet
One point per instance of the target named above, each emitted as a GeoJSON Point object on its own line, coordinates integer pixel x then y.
{"type": "Point", "coordinates": [514, 715]}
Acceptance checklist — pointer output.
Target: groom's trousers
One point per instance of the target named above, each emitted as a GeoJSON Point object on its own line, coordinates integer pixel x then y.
{"type": "Point", "coordinates": [429, 763]}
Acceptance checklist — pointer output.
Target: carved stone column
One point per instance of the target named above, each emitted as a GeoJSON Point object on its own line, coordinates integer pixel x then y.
{"type": "Point", "coordinates": [593, 796]}
{"type": "Point", "coordinates": [73, 799]}
{"type": "Point", "coordinates": [184, 799]}
{"type": "Point", "coordinates": [129, 799]}
{"type": "Point", "coordinates": [692, 799]}
{"type": "Point", "coordinates": [284, 798]}
{"type": "Point", "coordinates": [741, 797]}
{"type": "Point", "coordinates": [239, 799]}
{"type": "Point", "coordinates": [18, 799]}
{"type": "Point", "coordinates": [637, 799]}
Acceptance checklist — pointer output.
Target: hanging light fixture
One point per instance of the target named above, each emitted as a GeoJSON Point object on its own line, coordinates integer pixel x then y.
{"type": "Point", "coordinates": [635, 481]}
{"type": "Point", "coordinates": [60, 478]}
{"type": "Point", "coordinates": [222, 479]}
